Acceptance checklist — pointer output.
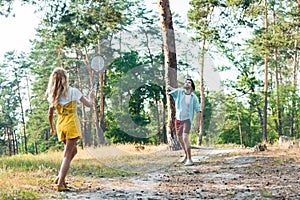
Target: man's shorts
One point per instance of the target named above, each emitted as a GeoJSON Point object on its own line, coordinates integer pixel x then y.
{"type": "Point", "coordinates": [182, 126]}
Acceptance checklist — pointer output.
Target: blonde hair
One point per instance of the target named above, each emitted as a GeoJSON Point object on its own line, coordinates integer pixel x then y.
{"type": "Point", "coordinates": [58, 84]}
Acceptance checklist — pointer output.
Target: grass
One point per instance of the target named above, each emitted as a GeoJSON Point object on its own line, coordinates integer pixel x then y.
{"type": "Point", "coordinates": [266, 193]}
{"type": "Point", "coordinates": [31, 176]}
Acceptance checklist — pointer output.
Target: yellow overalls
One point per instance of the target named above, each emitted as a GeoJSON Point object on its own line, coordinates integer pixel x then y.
{"type": "Point", "coordinates": [68, 125]}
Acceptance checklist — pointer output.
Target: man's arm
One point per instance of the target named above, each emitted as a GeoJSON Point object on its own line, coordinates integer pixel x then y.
{"type": "Point", "coordinates": [172, 91]}
{"type": "Point", "coordinates": [50, 118]}
{"type": "Point", "coordinates": [169, 88]}
{"type": "Point", "coordinates": [198, 120]}
{"type": "Point", "coordinates": [198, 110]}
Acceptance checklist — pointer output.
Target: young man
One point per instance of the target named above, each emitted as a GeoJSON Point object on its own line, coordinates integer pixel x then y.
{"type": "Point", "coordinates": [186, 103]}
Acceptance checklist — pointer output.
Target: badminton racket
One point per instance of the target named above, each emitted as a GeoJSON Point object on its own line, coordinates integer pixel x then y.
{"type": "Point", "coordinates": [97, 65]}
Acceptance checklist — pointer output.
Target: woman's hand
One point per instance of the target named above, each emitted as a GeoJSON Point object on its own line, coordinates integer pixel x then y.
{"type": "Point", "coordinates": [92, 94]}
{"type": "Point", "coordinates": [52, 131]}
{"type": "Point", "coordinates": [88, 101]}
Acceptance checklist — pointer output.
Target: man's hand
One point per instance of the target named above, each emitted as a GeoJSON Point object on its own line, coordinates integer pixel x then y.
{"type": "Point", "coordinates": [168, 88]}
{"type": "Point", "coordinates": [196, 128]}
{"type": "Point", "coordinates": [198, 121]}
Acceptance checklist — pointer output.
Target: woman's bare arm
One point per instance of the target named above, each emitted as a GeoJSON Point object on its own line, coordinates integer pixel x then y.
{"type": "Point", "coordinates": [50, 118]}
{"type": "Point", "coordinates": [88, 102]}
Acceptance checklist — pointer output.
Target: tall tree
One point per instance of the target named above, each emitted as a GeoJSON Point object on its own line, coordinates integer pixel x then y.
{"type": "Point", "coordinates": [266, 80]}
{"type": "Point", "coordinates": [170, 64]}
{"type": "Point", "coordinates": [201, 19]}
{"type": "Point", "coordinates": [15, 67]}
{"type": "Point", "coordinates": [295, 12]}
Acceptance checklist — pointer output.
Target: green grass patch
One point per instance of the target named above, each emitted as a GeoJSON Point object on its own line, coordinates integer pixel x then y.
{"type": "Point", "coordinates": [25, 163]}
{"type": "Point", "coordinates": [93, 167]}
{"type": "Point", "coordinates": [266, 193]}
{"type": "Point", "coordinates": [31, 176]}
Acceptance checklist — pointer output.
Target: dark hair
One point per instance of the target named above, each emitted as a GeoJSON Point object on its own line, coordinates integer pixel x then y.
{"type": "Point", "coordinates": [193, 84]}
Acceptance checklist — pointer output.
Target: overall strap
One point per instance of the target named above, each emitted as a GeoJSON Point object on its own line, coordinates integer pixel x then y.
{"type": "Point", "coordinates": [72, 94]}
{"type": "Point", "coordinates": [73, 103]}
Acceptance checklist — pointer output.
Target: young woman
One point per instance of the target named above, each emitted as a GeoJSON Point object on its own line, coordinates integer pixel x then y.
{"type": "Point", "coordinates": [64, 98]}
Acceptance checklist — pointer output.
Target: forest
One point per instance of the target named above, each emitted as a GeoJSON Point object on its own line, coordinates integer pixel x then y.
{"type": "Point", "coordinates": [128, 53]}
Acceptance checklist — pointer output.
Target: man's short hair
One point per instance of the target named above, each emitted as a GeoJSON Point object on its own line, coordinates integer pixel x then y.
{"type": "Point", "coordinates": [193, 84]}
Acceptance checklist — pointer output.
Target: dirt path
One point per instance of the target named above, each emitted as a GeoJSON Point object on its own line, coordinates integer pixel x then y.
{"type": "Point", "coordinates": [217, 174]}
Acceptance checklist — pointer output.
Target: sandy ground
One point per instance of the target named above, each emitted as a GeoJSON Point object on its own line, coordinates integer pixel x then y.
{"type": "Point", "coordinates": [217, 174]}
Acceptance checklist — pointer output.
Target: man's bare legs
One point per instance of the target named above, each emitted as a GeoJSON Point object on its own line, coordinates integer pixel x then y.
{"type": "Point", "coordinates": [187, 145]}
{"type": "Point", "coordinates": [69, 153]}
{"type": "Point", "coordinates": [181, 142]}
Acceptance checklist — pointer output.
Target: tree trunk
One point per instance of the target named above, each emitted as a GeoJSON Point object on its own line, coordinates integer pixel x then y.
{"type": "Point", "coordinates": [201, 133]}
{"type": "Point", "coordinates": [86, 135]}
{"type": "Point", "coordinates": [240, 127]}
{"type": "Point", "coordinates": [170, 67]}
{"type": "Point", "coordinates": [98, 130]}
{"type": "Point", "coordinates": [9, 141]}
{"type": "Point", "coordinates": [164, 129]}
{"type": "Point", "coordinates": [46, 134]}
{"type": "Point", "coordinates": [278, 106]}
{"type": "Point", "coordinates": [259, 111]}
{"type": "Point", "coordinates": [6, 140]}
{"type": "Point", "coordinates": [248, 142]}
{"type": "Point", "coordinates": [22, 114]}
{"type": "Point", "coordinates": [28, 93]}
{"type": "Point", "coordinates": [15, 143]}
{"type": "Point", "coordinates": [35, 147]}
{"type": "Point", "coordinates": [264, 137]}
{"type": "Point", "coordinates": [101, 94]}
{"type": "Point", "coordinates": [159, 138]}
{"type": "Point", "coordinates": [295, 67]}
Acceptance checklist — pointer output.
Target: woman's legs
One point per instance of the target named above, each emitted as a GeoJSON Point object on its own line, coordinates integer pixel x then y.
{"type": "Point", "coordinates": [69, 153]}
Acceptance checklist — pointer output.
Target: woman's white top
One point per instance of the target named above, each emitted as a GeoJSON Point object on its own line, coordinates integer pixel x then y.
{"type": "Point", "coordinates": [76, 96]}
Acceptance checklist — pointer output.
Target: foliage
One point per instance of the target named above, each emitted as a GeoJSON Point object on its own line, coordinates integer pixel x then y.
{"type": "Point", "coordinates": [131, 88]}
